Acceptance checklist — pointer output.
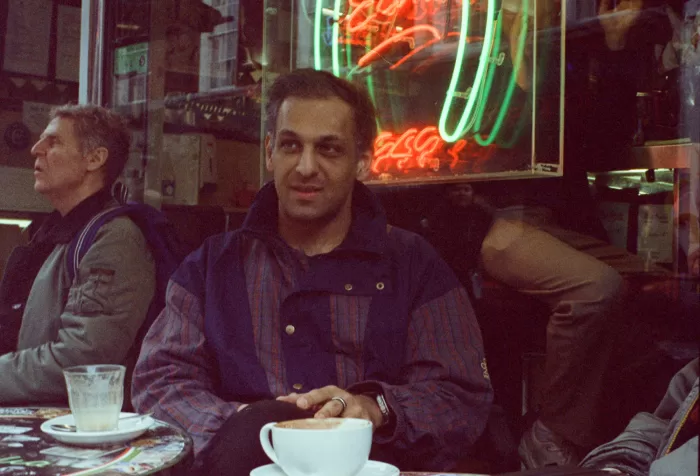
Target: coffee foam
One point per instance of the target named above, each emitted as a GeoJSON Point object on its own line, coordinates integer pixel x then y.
{"type": "Point", "coordinates": [319, 424]}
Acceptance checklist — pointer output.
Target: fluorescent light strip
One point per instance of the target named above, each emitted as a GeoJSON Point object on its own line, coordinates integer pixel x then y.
{"type": "Point", "coordinates": [334, 44]}
{"type": "Point", "coordinates": [317, 34]}
{"type": "Point", "coordinates": [16, 222]}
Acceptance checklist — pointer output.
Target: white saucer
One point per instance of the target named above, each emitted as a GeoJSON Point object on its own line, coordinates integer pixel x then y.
{"type": "Point", "coordinates": [128, 430]}
{"type": "Point", "coordinates": [372, 468]}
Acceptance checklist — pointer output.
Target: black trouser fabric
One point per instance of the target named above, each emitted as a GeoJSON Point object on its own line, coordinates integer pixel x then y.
{"type": "Point", "coordinates": [235, 449]}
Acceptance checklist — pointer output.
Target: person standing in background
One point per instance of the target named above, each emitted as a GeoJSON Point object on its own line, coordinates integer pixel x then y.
{"type": "Point", "coordinates": [580, 291]}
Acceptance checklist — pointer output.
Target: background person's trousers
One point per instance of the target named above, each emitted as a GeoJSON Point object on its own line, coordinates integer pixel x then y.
{"type": "Point", "coordinates": [581, 292]}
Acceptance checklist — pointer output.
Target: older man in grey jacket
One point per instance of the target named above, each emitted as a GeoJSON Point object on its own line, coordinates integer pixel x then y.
{"type": "Point", "coordinates": [95, 318]}
{"type": "Point", "coordinates": [663, 443]}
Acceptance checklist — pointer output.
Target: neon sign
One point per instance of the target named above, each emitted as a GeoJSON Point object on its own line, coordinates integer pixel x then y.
{"type": "Point", "coordinates": [368, 30]}
{"type": "Point", "coordinates": [421, 149]}
{"type": "Point", "coordinates": [408, 35]}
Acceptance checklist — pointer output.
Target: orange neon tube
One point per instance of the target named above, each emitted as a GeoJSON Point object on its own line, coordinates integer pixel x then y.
{"type": "Point", "coordinates": [376, 52]}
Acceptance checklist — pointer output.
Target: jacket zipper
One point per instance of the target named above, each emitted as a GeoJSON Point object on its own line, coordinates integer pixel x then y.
{"type": "Point", "coordinates": [680, 426]}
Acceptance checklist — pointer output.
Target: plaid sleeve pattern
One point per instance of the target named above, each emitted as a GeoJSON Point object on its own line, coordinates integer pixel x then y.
{"type": "Point", "coordinates": [173, 375]}
{"type": "Point", "coordinates": [444, 404]}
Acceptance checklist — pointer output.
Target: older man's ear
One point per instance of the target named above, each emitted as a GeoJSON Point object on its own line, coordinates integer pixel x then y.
{"type": "Point", "coordinates": [97, 158]}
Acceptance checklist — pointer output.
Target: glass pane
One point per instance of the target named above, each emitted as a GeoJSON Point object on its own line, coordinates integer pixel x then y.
{"type": "Point", "coordinates": [457, 85]}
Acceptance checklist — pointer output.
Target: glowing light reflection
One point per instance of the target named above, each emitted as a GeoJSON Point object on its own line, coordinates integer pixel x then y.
{"type": "Point", "coordinates": [462, 126]}
{"type": "Point", "coordinates": [369, 22]}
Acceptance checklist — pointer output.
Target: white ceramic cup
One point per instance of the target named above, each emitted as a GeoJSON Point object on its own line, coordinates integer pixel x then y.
{"type": "Point", "coordinates": [330, 446]}
{"type": "Point", "coordinates": [95, 395]}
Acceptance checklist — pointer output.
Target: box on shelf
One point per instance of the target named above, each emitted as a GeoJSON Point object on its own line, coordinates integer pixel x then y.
{"type": "Point", "coordinates": [188, 163]}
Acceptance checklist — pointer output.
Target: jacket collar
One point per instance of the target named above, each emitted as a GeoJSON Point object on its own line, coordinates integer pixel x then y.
{"type": "Point", "coordinates": [367, 231]}
{"type": "Point", "coordinates": [58, 229]}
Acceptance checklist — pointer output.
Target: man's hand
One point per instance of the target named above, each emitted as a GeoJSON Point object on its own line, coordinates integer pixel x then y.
{"type": "Point", "coordinates": [321, 401]}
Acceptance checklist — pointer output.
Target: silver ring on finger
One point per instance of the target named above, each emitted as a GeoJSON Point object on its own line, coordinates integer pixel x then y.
{"type": "Point", "coordinates": [342, 402]}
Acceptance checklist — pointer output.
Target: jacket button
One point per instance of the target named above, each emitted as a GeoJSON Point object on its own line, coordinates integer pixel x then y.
{"type": "Point", "coordinates": [297, 386]}
{"type": "Point", "coordinates": [380, 285]}
{"type": "Point", "coordinates": [348, 287]}
{"type": "Point", "coordinates": [289, 329]}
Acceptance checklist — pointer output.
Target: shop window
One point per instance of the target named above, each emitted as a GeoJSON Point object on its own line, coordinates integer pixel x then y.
{"type": "Point", "coordinates": [218, 64]}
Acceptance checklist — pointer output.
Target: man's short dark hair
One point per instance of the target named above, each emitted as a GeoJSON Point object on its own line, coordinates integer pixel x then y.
{"type": "Point", "coordinates": [312, 84]}
{"type": "Point", "coordinates": [96, 127]}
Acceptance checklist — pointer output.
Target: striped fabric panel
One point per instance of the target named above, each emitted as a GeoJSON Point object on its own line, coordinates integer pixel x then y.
{"type": "Point", "coordinates": [179, 331]}
{"type": "Point", "coordinates": [438, 333]}
{"type": "Point", "coordinates": [267, 284]}
{"type": "Point", "coordinates": [270, 278]}
{"type": "Point", "coordinates": [348, 323]}
{"type": "Point", "coordinates": [444, 345]}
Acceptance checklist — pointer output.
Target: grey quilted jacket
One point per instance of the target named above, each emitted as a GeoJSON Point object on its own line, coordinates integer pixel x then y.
{"type": "Point", "coordinates": [658, 444]}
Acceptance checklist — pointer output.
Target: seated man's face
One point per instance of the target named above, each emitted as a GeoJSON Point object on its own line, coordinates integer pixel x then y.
{"type": "Point", "coordinates": [314, 159]}
{"type": "Point", "coordinates": [461, 195]}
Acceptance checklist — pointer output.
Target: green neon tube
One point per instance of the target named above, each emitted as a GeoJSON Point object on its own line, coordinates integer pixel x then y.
{"type": "Point", "coordinates": [370, 85]}
{"type": "Point", "coordinates": [462, 126]}
{"type": "Point", "coordinates": [522, 121]}
{"type": "Point", "coordinates": [518, 131]}
{"type": "Point", "coordinates": [317, 34]}
{"type": "Point", "coordinates": [334, 44]}
{"type": "Point", "coordinates": [348, 56]}
{"type": "Point", "coordinates": [512, 84]}
{"type": "Point", "coordinates": [481, 108]}
{"type": "Point", "coordinates": [459, 60]}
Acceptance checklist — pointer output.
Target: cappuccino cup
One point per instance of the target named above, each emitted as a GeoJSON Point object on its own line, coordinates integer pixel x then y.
{"type": "Point", "coordinates": [314, 446]}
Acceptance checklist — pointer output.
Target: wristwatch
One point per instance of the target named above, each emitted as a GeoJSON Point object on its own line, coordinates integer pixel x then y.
{"type": "Point", "coordinates": [383, 407]}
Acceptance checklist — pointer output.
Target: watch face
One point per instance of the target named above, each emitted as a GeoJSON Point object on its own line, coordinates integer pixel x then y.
{"type": "Point", "coordinates": [381, 401]}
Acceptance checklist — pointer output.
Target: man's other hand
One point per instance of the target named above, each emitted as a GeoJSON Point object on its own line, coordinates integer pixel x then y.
{"type": "Point", "coordinates": [321, 401]}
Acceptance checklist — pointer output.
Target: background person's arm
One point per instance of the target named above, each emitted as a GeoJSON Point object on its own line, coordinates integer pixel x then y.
{"type": "Point", "coordinates": [103, 313]}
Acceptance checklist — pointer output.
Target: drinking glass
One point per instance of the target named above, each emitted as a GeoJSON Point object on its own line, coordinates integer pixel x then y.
{"type": "Point", "coordinates": [95, 395]}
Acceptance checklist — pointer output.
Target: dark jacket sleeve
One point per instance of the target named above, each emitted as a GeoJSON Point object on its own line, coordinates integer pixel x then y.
{"type": "Point", "coordinates": [442, 406]}
{"type": "Point", "coordinates": [173, 376]}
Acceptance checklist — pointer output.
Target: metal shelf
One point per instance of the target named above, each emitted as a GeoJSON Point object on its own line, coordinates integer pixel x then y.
{"type": "Point", "coordinates": [660, 156]}
{"type": "Point", "coordinates": [671, 156]}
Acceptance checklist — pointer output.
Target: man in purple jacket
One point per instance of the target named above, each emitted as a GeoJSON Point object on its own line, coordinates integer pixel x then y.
{"type": "Point", "coordinates": [317, 307]}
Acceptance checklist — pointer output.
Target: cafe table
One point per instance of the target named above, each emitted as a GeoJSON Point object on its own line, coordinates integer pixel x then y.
{"type": "Point", "coordinates": [547, 471]}
{"type": "Point", "coordinates": [25, 450]}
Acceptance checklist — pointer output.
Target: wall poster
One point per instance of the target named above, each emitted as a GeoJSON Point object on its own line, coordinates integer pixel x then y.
{"type": "Point", "coordinates": [27, 36]}
{"type": "Point", "coordinates": [68, 44]}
